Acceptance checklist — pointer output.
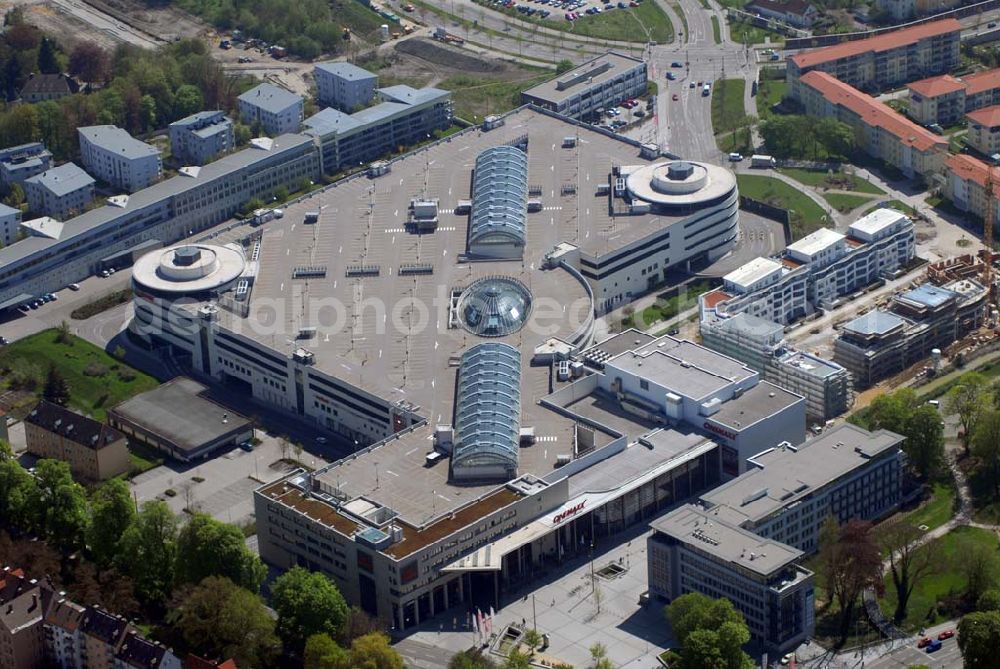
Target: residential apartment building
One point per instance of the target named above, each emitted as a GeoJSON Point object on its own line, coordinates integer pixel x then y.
{"type": "Point", "coordinates": [885, 60]}
{"type": "Point", "coordinates": [41, 87]}
{"type": "Point", "coordinates": [906, 10]}
{"type": "Point", "coordinates": [10, 220]}
{"type": "Point", "coordinates": [745, 540]}
{"type": "Point", "coordinates": [22, 608]}
{"type": "Point", "coordinates": [61, 192]}
{"type": "Point", "coordinates": [946, 99]}
{"type": "Point", "coordinates": [815, 271]}
{"type": "Point", "coordinates": [884, 342]}
{"type": "Point", "coordinates": [760, 343]}
{"type": "Point", "coordinates": [65, 644]}
{"type": "Point", "coordinates": [584, 92]}
{"type": "Point", "coordinates": [275, 109]}
{"type": "Point", "coordinates": [17, 163]}
{"type": "Point", "coordinates": [965, 185]}
{"type": "Point", "coordinates": [201, 138]}
{"type": "Point", "coordinates": [137, 652]}
{"type": "Point", "coordinates": [344, 86]}
{"type": "Point", "coordinates": [797, 13]}
{"type": "Point", "coordinates": [984, 130]}
{"type": "Point", "coordinates": [879, 131]}
{"type": "Point", "coordinates": [115, 157]}
{"type": "Point", "coordinates": [104, 634]}
{"type": "Point", "coordinates": [406, 116]}
{"type": "Point", "coordinates": [93, 450]}
{"type": "Point", "coordinates": [169, 210]}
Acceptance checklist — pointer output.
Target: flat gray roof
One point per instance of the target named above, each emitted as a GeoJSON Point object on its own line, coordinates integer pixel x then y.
{"type": "Point", "coordinates": [744, 323]}
{"type": "Point", "coordinates": [763, 400]}
{"type": "Point", "coordinates": [270, 98]}
{"type": "Point", "coordinates": [198, 117]}
{"type": "Point", "coordinates": [708, 532]}
{"type": "Point", "coordinates": [593, 72]}
{"type": "Point", "coordinates": [811, 364]}
{"type": "Point", "coordinates": [116, 140]}
{"type": "Point", "coordinates": [64, 179]}
{"type": "Point", "coordinates": [177, 412]}
{"type": "Point", "coordinates": [876, 321]}
{"type": "Point", "coordinates": [787, 474]}
{"type": "Point", "coordinates": [616, 344]}
{"type": "Point", "coordinates": [345, 70]}
{"type": "Point", "coordinates": [412, 96]}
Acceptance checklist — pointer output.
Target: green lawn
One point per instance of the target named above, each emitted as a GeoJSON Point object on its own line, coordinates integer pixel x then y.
{"type": "Point", "coordinates": [897, 205]}
{"type": "Point", "coordinates": [807, 216]}
{"type": "Point", "coordinates": [728, 113]}
{"type": "Point", "coordinates": [669, 305]}
{"type": "Point", "coordinates": [769, 93]}
{"type": "Point", "coordinates": [680, 14]}
{"type": "Point", "coordinates": [477, 96]}
{"type": "Point", "coordinates": [823, 179]}
{"type": "Point", "coordinates": [716, 30]}
{"type": "Point", "coordinates": [934, 596]}
{"type": "Point", "coordinates": [845, 203]}
{"type": "Point", "coordinates": [747, 33]}
{"type": "Point", "coordinates": [96, 380]}
{"type": "Point", "coordinates": [937, 510]}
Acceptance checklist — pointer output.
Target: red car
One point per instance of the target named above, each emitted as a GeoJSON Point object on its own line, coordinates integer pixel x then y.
{"type": "Point", "coordinates": [947, 634]}
{"type": "Point", "coordinates": [926, 641]}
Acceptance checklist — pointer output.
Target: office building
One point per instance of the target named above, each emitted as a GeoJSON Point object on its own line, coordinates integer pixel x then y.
{"type": "Point", "coordinates": [406, 116]}
{"type": "Point", "coordinates": [888, 59]}
{"type": "Point", "coordinates": [93, 450]}
{"type": "Point", "coordinates": [18, 163]}
{"type": "Point", "coordinates": [115, 157]}
{"type": "Point", "coordinates": [883, 342]}
{"type": "Point", "coordinates": [760, 343]}
{"type": "Point", "coordinates": [61, 192]}
{"type": "Point", "coordinates": [946, 99]}
{"type": "Point", "coordinates": [344, 86]}
{"type": "Point", "coordinates": [201, 138]}
{"type": "Point", "coordinates": [692, 550]}
{"type": "Point", "coordinates": [586, 91]}
{"type": "Point", "coordinates": [10, 221]}
{"type": "Point", "coordinates": [745, 540]}
{"type": "Point", "coordinates": [195, 199]}
{"type": "Point", "coordinates": [879, 130]}
{"type": "Point", "coordinates": [176, 420]}
{"type": "Point", "coordinates": [816, 271]}
{"type": "Point", "coordinates": [276, 110]}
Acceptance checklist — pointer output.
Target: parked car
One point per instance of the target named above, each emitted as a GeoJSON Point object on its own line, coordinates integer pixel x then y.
{"type": "Point", "coordinates": [676, 64]}
{"type": "Point", "coordinates": [947, 634]}
{"type": "Point", "coordinates": [3, 341]}
{"type": "Point", "coordinates": [74, 286]}
{"type": "Point", "coordinates": [674, 97]}
{"type": "Point", "coordinates": [735, 157]}
{"type": "Point", "coordinates": [692, 85]}
{"type": "Point", "coordinates": [934, 646]}
{"type": "Point", "coordinates": [671, 76]}
{"type": "Point", "coordinates": [926, 641]}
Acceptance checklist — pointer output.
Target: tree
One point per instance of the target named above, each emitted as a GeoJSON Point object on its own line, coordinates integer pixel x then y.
{"type": "Point", "coordinates": [89, 62]}
{"type": "Point", "coordinates": [853, 563]}
{"type": "Point", "coordinates": [979, 564]}
{"type": "Point", "coordinates": [989, 601]}
{"type": "Point", "coordinates": [924, 445]}
{"type": "Point", "coordinates": [517, 660]}
{"type": "Point", "coordinates": [188, 100]}
{"type": "Point", "coordinates": [835, 136]}
{"type": "Point", "coordinates": [221, 619]}
{"type": "Point", "coordinates": [564, 65]}
{"type": "Point", "coordinates": [146, 552]}
{"type": "Point", "coordinates": [112, 511]}
{"type": "Point", "coordinates": [61, 505]}
{"type": "Point", "coordinates": [17, 490]}
{"type": "Point", "coordinates": [468, 659]}
{"type": "Point", "coordinates": [56, 389]}
{"type": "Point", "coordinates": [208, 547]}
{"type": "Point", "coordinates": [63, 334]}
{"type": "Point", "coordinates": [372, 651]}
{"type": "Point", "coordinates": [322, 652]}
{"type": "Point", "coordinates": [15, 197]}
{"type": "Point", "coordinates": [711, 632]}
{"type": "Point", "coordinates": [307, 603]}
{"type": "Point", "coordinates": [47, 61]}
{"type": "Point", "coordinates": [892, 411]}
{"type": "Point", "coordinates": [532, 639]}
{"type": "Point", "coordinates": [968, 399]}
{"type": "Point", "coordinates": [986, 446]}
{"type": "Point", "coordinates": [979, 638]}
{"type": "Point", "coordinates": [907, 563]}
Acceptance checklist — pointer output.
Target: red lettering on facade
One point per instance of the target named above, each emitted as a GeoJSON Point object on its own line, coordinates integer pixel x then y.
{"type": "Point", "coordinates": [719, 431]}
{"type": "Point", "coordinates": [563, 515]}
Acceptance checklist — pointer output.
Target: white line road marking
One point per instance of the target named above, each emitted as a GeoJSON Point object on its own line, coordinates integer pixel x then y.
{"type": "Point", "coordinates": [389, 471]}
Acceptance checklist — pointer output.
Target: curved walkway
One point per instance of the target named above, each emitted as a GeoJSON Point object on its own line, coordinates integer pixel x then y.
{"type": "Point", "coordinates": [836, 216]}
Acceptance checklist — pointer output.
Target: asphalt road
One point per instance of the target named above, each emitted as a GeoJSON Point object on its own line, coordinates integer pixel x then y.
{"type": "Point", "coordinates": [104, 23]}
{"type": "Point", "coordinates": [758, 237]}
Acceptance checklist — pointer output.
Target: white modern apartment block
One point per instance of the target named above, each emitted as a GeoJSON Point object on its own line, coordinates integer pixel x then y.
{"type": "Point", "coordinates": [816, 271]}
{"type": "Point", "coordinates": [61, 192]}
{"type": "Point", "coordinates": [10, 219]}
{"type": "Point", "coordinates": [114, 156]}
{"type": "Point", "coordinates": [344, 86]}
{"type": "Point", "coordinates": [598, 84]}
{"type": "Point", "coordinates": [275, 109]}
{"type": "Point", "coordinates": [201, 138]}
{"type": "Point", "coordinates": [18, 163]}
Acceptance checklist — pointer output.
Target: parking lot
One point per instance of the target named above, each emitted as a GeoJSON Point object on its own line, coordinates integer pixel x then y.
{"type": "Point", "coordinates": [568, 10]}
